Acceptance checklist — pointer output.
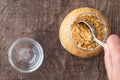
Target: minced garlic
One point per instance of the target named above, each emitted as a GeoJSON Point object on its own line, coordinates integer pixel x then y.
{"type": "Point", "coordinates": [81, 34]}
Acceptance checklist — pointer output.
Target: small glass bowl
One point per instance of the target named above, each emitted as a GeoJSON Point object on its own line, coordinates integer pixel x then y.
{"type": "Point", "coordinates": [25, 55]}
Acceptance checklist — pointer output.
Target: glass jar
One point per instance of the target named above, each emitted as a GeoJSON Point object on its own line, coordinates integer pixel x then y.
{"type": "Point", "coordinates": [65, 34]}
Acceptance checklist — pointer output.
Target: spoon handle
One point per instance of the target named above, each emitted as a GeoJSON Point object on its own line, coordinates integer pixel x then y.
{"type": "Point", "coordinates": [100, 42]}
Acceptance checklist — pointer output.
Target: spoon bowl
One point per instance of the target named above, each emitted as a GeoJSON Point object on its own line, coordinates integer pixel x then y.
{"type": "Point", "coordinates": [91, 27]}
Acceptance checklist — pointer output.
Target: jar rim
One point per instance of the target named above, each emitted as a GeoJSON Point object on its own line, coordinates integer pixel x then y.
{"type": "Point", "coordinates": [72, 21]}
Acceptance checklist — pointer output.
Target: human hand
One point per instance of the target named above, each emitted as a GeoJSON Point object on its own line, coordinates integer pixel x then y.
{"type": "Point", "coordinates": [112, 57]}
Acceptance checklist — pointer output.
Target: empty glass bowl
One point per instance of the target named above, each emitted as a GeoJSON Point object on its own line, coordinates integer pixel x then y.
{"type": "Point", "coordinates": [25, 55]}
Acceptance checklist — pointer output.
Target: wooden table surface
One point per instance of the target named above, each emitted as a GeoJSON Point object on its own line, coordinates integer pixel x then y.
{"type": "Point", "coordinates": [40, 20]}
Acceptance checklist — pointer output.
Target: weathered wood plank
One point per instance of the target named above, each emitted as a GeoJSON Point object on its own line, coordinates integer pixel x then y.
{"type": "Point", "coordinates": [40, 20]}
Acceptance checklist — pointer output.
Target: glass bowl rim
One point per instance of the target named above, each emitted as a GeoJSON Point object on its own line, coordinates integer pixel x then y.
{"type": "Point", "coordinates": [35, 43]}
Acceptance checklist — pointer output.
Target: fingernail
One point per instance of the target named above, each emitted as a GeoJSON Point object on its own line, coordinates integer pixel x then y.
{"type": "Point", "coordinates": [114, 43]}
{"type": "Point", "coordinates": [114, 40]}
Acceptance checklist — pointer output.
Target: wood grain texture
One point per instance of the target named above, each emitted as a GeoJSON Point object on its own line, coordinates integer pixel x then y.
{"type": "Point", "coordinates": [40, 20]}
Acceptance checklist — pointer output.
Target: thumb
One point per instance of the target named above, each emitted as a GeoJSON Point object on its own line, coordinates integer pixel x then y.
{"type": "Point", "coordinates": [108, 61]}
{"type": "Point", "coordinates": [114, 46]}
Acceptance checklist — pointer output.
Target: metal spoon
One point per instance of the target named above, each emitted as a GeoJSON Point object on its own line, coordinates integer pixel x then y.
{"type": "Point", "coordinates": [93, 32]}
